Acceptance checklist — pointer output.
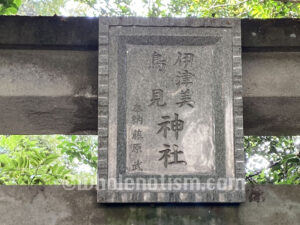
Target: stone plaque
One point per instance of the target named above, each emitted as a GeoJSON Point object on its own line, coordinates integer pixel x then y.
{"type": "Point", "coordinates": [170, 110]}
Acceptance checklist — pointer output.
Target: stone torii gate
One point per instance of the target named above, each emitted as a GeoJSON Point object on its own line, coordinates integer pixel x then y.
{"type": "Point", "coordinates": [48, 72]}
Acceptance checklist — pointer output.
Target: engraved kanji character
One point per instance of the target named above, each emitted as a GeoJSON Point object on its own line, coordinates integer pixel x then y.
{"type": "Point", "coordinates": [137, 147]}
{"type": "Point", "coordinates": [176, 126]}
{"type": "Point", "coordinates": [184, 59]}
{"type": "Point", "coordinates": [185, 78]}
{"type": "Point", "coordinates": [166, 155]}
{"type": "Point", "coordinates": [137, 108]}
{"type": "Point", "coordinates": [186, 99]}
{"type": "Point", "coordinates": [158, 61]}
{"type": "Point", "coordinates": [157, 97]}
{"type": "Point", "coordinates": [137, 119]}
{"type": "Point", "coordinates": [137, 135]}
{"type": "Point", "coordinates": [137, 165]}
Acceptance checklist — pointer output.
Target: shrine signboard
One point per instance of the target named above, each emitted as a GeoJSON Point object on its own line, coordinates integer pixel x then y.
{"type": "Point", "coordinates": [170, 110]}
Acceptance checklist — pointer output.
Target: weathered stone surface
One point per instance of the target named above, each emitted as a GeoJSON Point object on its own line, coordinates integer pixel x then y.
{"type": "Point", "coordinates": [25, 32]}
{"type": "Point", "coordinates": [271, 93]}
{"type": "Point", "coordinates": [271, 35]}
{"type": "Point", "coordinates": [267, 110]}
{"type": "Point", "coordinates": [271, 74]}
{"type": "Point", "coordinates": [67, 33]}
{"type": "Point", "coordinates": [263, 74]}
{"type": "Point", "coordinates": [44, 92]}
{"type": "Point", "coordinates": [174, 100]}
{"type": "Point", "coordinates": [53, 205]}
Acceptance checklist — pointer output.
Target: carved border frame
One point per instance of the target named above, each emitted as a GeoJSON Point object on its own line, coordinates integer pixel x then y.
{"type": "Point", "coordinates": [106, 196]}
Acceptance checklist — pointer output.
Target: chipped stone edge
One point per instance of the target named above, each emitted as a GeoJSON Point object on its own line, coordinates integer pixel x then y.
{"type": "Point", "coordinates": [106, 196]}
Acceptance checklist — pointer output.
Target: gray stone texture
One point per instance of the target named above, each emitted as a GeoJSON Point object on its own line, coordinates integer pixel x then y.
{"type": "Point", "coordinates": [40, 89]}
{"type": "Point", "coordinates": [271, 44]}
{"type": "Point", "coordinates": [267, 110]}
{"type": "Point", "coordinates": [139, 59]}
{"type": "Point", "coordinates": [52, 205]}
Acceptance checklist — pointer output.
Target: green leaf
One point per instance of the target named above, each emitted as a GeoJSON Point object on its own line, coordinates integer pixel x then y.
{"type": "Point", "coordinates": [50, 159]}
{"type": "Point", "coordinates": [11, 11]}
{"type": "Point", "coordinates": [18, 3]}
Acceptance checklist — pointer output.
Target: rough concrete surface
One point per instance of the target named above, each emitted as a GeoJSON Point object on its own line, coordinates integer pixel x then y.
{"type": "Point", "coordinates": [52, 205]}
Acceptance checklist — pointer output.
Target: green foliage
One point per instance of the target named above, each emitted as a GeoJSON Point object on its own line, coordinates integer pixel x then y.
{"type": "Point", "coordinates": [235, 8]}
{"type": "Point", "coordinates": [41, 7]}
{"type": "Point", "coordinates": [57, 159]}
{"type": "Point", "coordinates": [9, 7]}
{"type": "Point", "coordinates": [82, 148]}
{"type": "Point", "coordinates": [155, 8]}
{"type": "Point", "coordinates": [282, 156]}
{"type": "Point", "coordinates": [199, 8]}
{"type": "Point", "coordinates": [26, 160]}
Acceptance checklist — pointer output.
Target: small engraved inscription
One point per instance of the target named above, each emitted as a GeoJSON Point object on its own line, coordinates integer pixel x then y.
{"type": "Point", "coordinates": [137, 135]}
{"type": "Point", "coordinates": [137, 147]}
{"type": "Point", "coordinates": [137, 118]}
{"type": "Point", "coordinates": [137, 166]}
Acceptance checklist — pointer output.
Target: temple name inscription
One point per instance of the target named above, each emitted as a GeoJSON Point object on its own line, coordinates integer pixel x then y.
{"type": "Point", "coordinates": [170, 113]}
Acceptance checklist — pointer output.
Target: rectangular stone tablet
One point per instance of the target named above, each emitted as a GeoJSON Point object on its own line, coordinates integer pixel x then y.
{"type": "Point", "coordinates": [170, 110]}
